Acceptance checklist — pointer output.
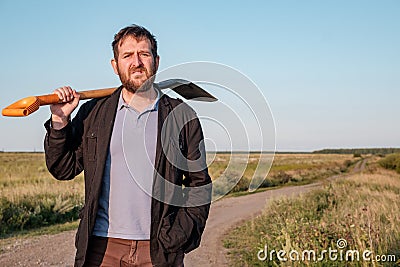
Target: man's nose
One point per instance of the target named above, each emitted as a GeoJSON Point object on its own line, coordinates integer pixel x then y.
{"type": "Point", "coordinates": [136, 61]}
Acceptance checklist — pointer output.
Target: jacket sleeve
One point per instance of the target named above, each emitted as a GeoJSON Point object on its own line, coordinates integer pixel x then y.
{"type": "Point", "coordinates": [197, 182]}
{"type": "Point", "coordinates": [63, 148]}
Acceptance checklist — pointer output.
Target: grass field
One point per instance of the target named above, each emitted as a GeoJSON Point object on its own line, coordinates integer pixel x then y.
{"type": "Point", "coordinates": [30, 198]}
{"type": "Point", "coordinates": [287, 169]}
{"type": "Point", "coordinates": [361, 210]}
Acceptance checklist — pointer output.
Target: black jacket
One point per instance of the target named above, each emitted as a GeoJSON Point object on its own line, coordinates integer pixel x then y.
{"type": "Point", "coordinates": [178, 216]}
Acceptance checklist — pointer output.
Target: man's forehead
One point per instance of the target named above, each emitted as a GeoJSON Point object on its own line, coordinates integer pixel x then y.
{"type": "Point", "coordinates": [130, 40]}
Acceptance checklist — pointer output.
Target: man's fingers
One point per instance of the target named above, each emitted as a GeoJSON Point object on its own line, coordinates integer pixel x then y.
{"type": "Point", "coordinates": [69, 99]}
{"type": "Point", "coordinates": [75, 94]}
{"type": "Point", "coordinates": [65, 93]}
{"type": "Point", "coordinates": [68, 94]}
{"type": "Point", "coordinates": [75, 97]}
{"type": "Point", "coordinates": [59, 94]}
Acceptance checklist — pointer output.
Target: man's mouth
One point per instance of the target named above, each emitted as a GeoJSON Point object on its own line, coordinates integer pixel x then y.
{"type": "Point", "coordinates": [137, 71]}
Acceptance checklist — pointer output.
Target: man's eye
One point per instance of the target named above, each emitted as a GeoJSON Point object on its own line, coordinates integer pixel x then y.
{"type": "Point", "coordinates": [126, 56]}
{"type": "Point", "coordinates": [145, 54]}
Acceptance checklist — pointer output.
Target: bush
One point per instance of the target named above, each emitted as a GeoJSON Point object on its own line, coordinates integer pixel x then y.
{"type": "Point", "coordinates": [346, 165]}
{"type": "Point", "coordinates": [34, 212]}
{"type": "Point", "coordinates": [242, 185]}
{"type": "Point", "coordinates": [391, 162]}
{"type": "Point", "coordinates": [267, 183]}
{"type": "Point", "coordinates": [282, 178]}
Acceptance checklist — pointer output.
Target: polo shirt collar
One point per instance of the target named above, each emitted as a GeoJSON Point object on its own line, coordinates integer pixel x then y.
{"type": "Point", "coordinates": [152, 107]}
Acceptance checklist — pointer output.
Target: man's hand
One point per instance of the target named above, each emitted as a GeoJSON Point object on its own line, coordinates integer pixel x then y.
{"type": "Point", "coordinates": [60, 113]}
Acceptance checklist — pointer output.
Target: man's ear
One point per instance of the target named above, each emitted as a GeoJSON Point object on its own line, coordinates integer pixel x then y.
{"type": "Point", "coordinates": [114, 66]}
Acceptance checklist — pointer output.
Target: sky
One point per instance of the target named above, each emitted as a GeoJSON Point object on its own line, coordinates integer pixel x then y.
{"type": "Point", "coordinates": [329, 70]}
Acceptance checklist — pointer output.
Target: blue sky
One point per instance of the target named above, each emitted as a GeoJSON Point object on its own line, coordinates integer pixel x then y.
{"type": "Point", "coordinates": [330, 70]}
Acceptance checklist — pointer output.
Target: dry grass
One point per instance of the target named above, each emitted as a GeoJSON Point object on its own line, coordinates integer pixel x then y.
{"type": "Point", "coordinates": [29, 195]}
{"type": "Point", "coordinates": [228, 170]}
{"type": "Point", "coordinates": [363, 209]}
{"type": "Point", "coordinates": [25, 174]}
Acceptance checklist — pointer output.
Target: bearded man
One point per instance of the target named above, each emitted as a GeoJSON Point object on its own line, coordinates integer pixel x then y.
{"type": "Point", "coordinates": [138, 208]}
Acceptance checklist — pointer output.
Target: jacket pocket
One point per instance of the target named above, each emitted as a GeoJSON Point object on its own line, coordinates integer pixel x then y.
{"type": "Point", "coordinates": [175, 232]}
{"type": "Point", "coordinates": [91, 146]}
{"type": "Point", "coordinates": [176, 155]}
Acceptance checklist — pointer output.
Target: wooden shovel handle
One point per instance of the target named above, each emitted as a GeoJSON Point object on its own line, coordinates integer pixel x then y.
{"type": "Point", "coordinates": [28, 105]}
{"type": "Point", "coordinates": [53, 98]}
{"type": "Point", "coordinates": [97, 93]}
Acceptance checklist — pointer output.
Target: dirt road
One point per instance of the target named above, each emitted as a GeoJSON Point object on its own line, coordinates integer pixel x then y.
{"type": "Point", "coordinates": [58, 250]}
{"type": "Point", "coordinates": [227, 213]}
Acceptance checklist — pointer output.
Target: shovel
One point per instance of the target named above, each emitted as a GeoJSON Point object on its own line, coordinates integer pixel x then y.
{"type": "Point", "coordinates": [28, 105]}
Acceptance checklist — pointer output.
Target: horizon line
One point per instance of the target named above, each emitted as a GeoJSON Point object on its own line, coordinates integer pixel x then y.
{"type": "Point", "coordinates": [244, 151]}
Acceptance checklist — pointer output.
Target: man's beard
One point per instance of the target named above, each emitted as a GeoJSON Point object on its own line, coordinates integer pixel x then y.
{"type": "Point", "coordinates": [134, 86]}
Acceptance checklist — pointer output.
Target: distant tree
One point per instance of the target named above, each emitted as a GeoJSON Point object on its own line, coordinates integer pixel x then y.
{"type": "Point", "coordinates": [375, 151]}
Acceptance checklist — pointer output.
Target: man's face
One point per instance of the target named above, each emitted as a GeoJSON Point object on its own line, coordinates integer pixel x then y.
{"type": "Point", "coordinates": [135, 63]}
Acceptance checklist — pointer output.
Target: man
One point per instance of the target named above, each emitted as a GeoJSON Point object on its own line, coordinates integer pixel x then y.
{"type": "Point", "coordinates": [144, 205]}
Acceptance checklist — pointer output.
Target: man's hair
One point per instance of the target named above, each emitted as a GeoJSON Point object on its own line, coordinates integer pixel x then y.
{"type": "Point", "coordinates": [139, 33]}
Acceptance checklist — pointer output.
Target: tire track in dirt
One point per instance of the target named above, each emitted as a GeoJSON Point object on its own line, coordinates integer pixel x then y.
{"type": "Point", "coordinates": [229, 212]}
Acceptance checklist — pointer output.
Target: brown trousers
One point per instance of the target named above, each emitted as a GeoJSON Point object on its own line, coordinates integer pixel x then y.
{"type": "Point", "coordinates": [112, 252]}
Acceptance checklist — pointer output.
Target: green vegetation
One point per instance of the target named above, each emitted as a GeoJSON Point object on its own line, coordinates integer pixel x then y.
{"type": "Point", "coordinates": [391, 162]}
{"type": "Point", "coordinates": [29, 212]}
{"type": "Point", "coordinates": [363, 209]}
{"type": "Point", "coordinates": [360, 151]}
{"type": "Point", "coordinates": [31, 198]}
